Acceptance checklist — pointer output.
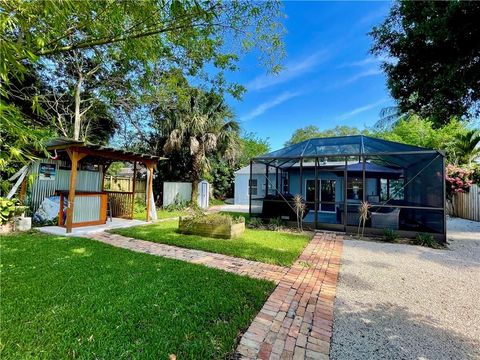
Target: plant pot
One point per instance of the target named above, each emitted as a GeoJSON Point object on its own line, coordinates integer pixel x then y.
{"type": "Point", "coordinates": [222, 231]}
{"type": "Point", "coordinates": [23, 223]}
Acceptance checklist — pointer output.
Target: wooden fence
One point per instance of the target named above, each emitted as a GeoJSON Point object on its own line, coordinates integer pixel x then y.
{"type": "Point", "coordinates": [467, 205]}
{"type": "Point", "coordinates": [125, 184]}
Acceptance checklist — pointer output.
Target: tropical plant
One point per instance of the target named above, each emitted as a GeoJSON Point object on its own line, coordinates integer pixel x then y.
{"type": "Point", "coordinates": [458, 181]}
{"type": "Point", "coordinates": [204, 126]}
{"type": "Point", "coordinates": [255, 222]}
{"type": "Point", "coordinates": [467, 147]}
{"type": "Point", "coordinates": [7, 209]}
{"type": "Point", "coordinates": [299, 207]}
{"type": "Point", "coordinates": [363, 216]}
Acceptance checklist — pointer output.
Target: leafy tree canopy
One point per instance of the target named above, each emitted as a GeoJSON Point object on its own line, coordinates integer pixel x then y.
{"type": "Point", "coordinates": [251, 146]}
{"type": "Point", "coordinates": [434, 52]}
{"type": "Point", "coordinates": [312, 131]}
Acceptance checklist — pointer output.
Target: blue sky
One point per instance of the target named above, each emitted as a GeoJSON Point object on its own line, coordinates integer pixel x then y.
{"type": "Point", "coordinates": [329, 78]}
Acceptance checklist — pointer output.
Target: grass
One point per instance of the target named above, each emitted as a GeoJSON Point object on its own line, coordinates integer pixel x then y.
{"type": "Point", "coordinates": [77, 298]}
{"type": "Point", "coordinates": [272, 247]}
{"type": "Point", "coordinates": [161, 214]}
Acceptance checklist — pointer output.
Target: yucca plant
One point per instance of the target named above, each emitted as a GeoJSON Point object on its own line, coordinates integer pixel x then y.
{"type": "Point", "coordinates": [364, 214]}
{"type": "Point", "coordinates": [300, 208]}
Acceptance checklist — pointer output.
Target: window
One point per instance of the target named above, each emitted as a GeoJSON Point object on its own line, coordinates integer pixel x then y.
{"type": "Point", "coordinates": [354, 189]}
{"type": "Point", "coordinates": [391, 189]}
{"type": "Point", "coordinates": [326, 189]}
{"type": "Point", "coordinates": [253, 186]}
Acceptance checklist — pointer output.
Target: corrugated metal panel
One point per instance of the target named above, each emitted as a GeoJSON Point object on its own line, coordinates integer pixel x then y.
{"type": "Point", "coordinates": [86, 181]}
{"type": "Point", "coordinates": [86, 208]}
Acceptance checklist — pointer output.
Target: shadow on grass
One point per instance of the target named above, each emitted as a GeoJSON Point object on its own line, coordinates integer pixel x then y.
{"type": "Point", "coordinates": [388, 331]}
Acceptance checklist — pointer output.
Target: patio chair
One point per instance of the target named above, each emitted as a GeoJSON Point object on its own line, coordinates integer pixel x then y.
{"type": "Point", "coordinates": [386, 218]}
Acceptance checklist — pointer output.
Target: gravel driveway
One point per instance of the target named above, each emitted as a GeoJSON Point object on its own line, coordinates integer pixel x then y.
{"type": "Point", "coordinates": [408, 302]}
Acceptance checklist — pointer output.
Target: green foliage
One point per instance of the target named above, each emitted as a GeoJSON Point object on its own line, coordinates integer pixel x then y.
{"type": "Point", "coordinates": [432, 49]}
{"type": "Point", "coordinates": [212, 219]}
{"type": "Point", "coordinates": [427, 240]}
{"type": "Point", "coordinates": [7, 209]}
{"type": "Point", "coordinates": [177, 205]}
{"type": "Point", "coordinates": [467, 147]}
{"type": "Point", "coordinates": [272, 247]}
{"type": "Point", "coordinates": [275, 224]}
{"type": "Point", "coordinates": [122, 58]}
{"type": "Point", "coordinates": [85, 298]}
{"type": "Point", "coordinates": [389, 235]}
{"type": "Point", "coordinates": [115, 168]}
{"type": "Point", "coordinates": [221, 177]}
{"type": "Point", "coordinates": [251, 146]}
{"type": "Point", "coordinates": [312, 131]}
{"type": "Point", "coordinates": [255, 222]}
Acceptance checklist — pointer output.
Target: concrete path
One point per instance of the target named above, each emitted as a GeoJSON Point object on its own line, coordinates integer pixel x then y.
{"type": "Point", "coordinates": [235, 265]}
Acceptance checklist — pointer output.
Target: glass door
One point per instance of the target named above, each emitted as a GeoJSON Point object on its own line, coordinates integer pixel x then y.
{"type": "Point", "coordinates": [327, 194]}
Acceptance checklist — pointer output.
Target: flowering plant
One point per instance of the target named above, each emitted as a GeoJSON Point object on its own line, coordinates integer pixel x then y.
{"type": "Point", "coordinates": [458, 179]}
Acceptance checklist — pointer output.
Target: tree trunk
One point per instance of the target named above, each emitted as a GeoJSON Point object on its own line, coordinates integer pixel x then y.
{"type": "Point", "coordinates": [196, 172]}
{"type": "Point", "coordinates": [78, 119]}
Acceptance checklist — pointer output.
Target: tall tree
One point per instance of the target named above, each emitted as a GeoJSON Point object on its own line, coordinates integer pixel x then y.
{"type": "Point", "coordinates": [251, 145]}
{"type": "Point", "coordinates": [203, 126]}
{"type": "Point", "coordinates": [144, 38]}
{"type": "Point", "coordinates": [434, 52]}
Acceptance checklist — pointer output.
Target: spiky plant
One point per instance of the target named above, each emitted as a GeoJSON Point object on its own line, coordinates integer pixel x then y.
{"type": "Point", "coordinates": [363, 214]}
{"type": "Point", "coordinates": [299, 207]}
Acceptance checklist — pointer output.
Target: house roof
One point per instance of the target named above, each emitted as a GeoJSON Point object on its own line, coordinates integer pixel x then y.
{"type": "Point", "coordinates": [341, 145]}
{"type": "Point", "coordinates": [99, 151]}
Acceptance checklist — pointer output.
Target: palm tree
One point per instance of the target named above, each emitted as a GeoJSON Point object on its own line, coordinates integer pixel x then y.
{"type": "Point", "coordinates": [204, 125]}
{"type": "Point", "coordinates": [467, 147]}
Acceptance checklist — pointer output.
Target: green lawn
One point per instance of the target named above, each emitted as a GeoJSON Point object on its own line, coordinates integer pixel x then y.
{"type": "Point", "coordinates": [161, 214]}
{"type": "Point", "coordinates": [78, 298]}
{"type": "Point", "coordinates": [272, 247]}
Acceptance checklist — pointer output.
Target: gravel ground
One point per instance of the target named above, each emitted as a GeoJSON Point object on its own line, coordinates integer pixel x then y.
{"type": "Point", "coordinates": [408, 302]}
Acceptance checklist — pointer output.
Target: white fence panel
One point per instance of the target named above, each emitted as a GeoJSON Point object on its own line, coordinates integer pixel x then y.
{"type": "Point", "coordinates": [171, 189]}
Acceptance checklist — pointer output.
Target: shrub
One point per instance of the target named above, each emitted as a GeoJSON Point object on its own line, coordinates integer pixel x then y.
{"type": "Point", "coordinates": [255, 223]}
{"type": "Point", "coordinates": [275, 224]}
{"type": "Point", "coordinates": [389, 235]}
{"type": "Point", "coordinates": [139, 205]}
{"type": "Point", "coordinates": [425, 240]}
{"type": "Point", "coordinates": [213, 219]}
{"type": "Point", "coordinates": [177, 204]}
{"type": "Point", "coordinates": [7, 209]}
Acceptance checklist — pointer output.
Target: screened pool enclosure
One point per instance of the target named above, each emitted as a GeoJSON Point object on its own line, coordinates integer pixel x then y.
{"type": "Point", "coordinates": [404, 185]}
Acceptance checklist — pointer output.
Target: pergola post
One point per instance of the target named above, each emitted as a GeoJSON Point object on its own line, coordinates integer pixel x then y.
{"type": "Point", "coordinates": [133, 188]}
{"type": "Point", "coordinates": [75, 157]}
{"type": "Point", "coordinates": [149, 189]}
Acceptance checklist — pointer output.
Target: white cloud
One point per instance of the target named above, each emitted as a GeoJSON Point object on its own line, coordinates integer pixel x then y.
{"type": "Point", "coordinates": [291, 71]}
{"type": "Point", "coordinates": [368, 61]}
{"type": "Point", "coordinates": [260, 109]}
{"type": "Point", "coordinates": [361, 109]}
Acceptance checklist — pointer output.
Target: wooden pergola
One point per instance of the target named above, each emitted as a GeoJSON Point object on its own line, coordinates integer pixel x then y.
{"type": "Point", "coordinates": [80, 151]}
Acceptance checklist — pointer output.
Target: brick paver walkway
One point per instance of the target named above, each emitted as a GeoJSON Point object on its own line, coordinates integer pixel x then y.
{"type": "Point", "coordinates": [228, 263]}
{"type": "Point", "coordinates": [296, 321]}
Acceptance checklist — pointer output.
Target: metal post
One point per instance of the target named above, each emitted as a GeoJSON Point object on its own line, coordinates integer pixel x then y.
{"type": "Point", "coordinates": [316, 193]}
{"type": "Point", "coordinates": [276, 181]}
{"type": "Point", "coordinates": [266, 180]}
{"type": "Point", "coordinates": [345, 203]}
{"type": "Point", "coordinates": [301, 177]}
{"type": "Point", "coordinates": [444, 197]}
{"type": "Point", "coordinates": [250, 190]}
{"type": "Point", "coordinates": [364, 188]}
